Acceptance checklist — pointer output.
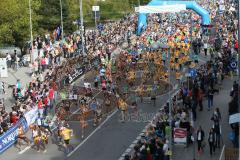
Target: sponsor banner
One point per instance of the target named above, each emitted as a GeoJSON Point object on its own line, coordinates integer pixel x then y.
{"type": "Point", "coordinates": [77, 72]}
{"type": "Point", "coordinates": [3, 68]}
{"type": "Point", "coordinates": [235, 118]}
{"type": "Point", "coordinates": [31, 116]}
{"type": "Point", "coordinates": [9, 137]}
{"type": "Point", "coordinates": [162, 9]}
{"type": "Point", "coordinates": [180, 135]}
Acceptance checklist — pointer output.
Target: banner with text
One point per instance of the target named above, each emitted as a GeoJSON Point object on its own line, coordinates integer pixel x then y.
{"type": "Point", "coordinates": [180, 136]}
{"type": "Point", "coordinates": [9, 137]}
{"type": "Point", "coordinates": [31, 116]}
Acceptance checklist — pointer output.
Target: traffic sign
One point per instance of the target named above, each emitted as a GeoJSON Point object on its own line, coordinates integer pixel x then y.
{"type": "Point", "coordinates": [193, 73]}
{"type": "Point", "coordinates": [95, 8]}
{"type": "Point", "coordinates": [233, 65]}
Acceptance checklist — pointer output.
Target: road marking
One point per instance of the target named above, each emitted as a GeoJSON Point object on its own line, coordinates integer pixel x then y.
{"type": "Point", "coordinates": [28, 147]}
{"type": "Point", "coordinates": [220, 158]}
{"type": "Point", "coordinates": [24, 150]}
{"type": "Point", "coordinates": [131, 146]}
{"type": "Point", "coordinates": [76, 148]}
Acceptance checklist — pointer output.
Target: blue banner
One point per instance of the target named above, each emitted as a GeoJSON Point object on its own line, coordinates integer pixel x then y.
{"type": "Point", "coordinates": [193, 73]}
{"type": "Point", "coordinates": [9, 137]}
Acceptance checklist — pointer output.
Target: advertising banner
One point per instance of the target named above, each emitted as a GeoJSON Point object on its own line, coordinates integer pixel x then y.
{"type": "Point", "coordinates": [9, 137]}
{"type": "Point", "coordinates": [180, 136]}
{"type": "Point", "coordinates": [31, 116]}
{"type": "Point", "coordinates": [235, 118]}
{"type": "Point", "coordinates": [3, 68]}
{"type": "Point", "coordinates": [77, 72]}
{"type": "Point", "coordinates": [162, 9]}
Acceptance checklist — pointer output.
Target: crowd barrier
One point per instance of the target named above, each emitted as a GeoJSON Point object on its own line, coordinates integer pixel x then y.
{"type": "Point", "coordinates": [10, 137]}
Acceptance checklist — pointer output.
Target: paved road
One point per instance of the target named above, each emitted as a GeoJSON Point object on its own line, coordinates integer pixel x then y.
{"type": "Point", "coordinates": [111, 139]}
{"type": "Point", "coordinates": [107, 143]}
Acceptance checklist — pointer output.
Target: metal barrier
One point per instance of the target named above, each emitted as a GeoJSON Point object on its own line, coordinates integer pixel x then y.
{"type": "Point", "coordinates": [231, 154]}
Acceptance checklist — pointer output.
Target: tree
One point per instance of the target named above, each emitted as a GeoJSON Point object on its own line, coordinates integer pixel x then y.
{"type": "Point", "coordinates": [14, 21]}
{"type": "Point", "coordinates": [50, 13]}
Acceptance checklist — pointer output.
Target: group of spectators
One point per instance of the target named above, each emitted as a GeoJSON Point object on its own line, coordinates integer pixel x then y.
{"type": "Point", "coordinates": [60, 60]}
{"type": "Point", "coordinates": [155, 145]}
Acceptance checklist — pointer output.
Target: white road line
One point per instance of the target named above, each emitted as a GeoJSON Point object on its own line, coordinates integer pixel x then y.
{"type": "Point", "coordinates": [121, 158]}
{"type": "Point", "coordinates": [77, 110]}
{"type": "Point", "coordinates": [135, 142]}
{"type": "Point", "coordinates": [220, 158]}
{"type": "Point", "coordinates": [129, 149]}
{"type": "Point", "coordinates": [138, 138]}
{"type": "Point", "coordinates": [76, 148]}
{"type": "Point", "coordinates": [87, 102]}
{"type": "Point", "coordinates": [28, 147]}
{"type": "Point", "coordinates": [132, 145]}
{"type": "Point", "coordinates": [24, 150]}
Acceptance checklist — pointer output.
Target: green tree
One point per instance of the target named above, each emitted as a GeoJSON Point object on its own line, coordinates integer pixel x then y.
{"type": "Point", "coordinates": [14, 21]}
{"type": "Point", "coordinates": [50, 14]}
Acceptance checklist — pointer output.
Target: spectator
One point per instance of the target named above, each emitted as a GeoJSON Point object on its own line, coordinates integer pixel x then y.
{"type": "Point", "coordinates": [200, 139]}
{"type": "Point", "coordinates": [211, 141]}
{"type": "Point", "coordinates": [210, 97]}
{"type": "Point", "coordinates": [9, 60]}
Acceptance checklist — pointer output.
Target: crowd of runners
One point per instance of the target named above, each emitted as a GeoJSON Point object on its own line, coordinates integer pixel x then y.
{"type": "Point", "coordinates": [58, 60]}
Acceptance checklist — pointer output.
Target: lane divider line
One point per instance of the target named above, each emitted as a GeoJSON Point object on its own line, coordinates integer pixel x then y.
{"type": "Point", "coordinates": [131, 146]}
{"type": "Point", "coordinates": [90, 135]}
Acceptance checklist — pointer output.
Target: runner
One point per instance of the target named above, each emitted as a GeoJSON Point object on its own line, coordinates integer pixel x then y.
{"type": "Point", "coordinates": [21, 136]}
{"type": "Point", "coordinates": [67, 135]}
{"type": "Point", "coordinates": [123, 108]}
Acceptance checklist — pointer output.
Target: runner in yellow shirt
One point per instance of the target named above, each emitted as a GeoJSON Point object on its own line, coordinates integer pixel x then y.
{"type": "Point", "coordinates": [67, 135]}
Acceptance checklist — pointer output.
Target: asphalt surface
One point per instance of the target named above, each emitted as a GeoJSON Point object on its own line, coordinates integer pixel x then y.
{"type": "Point", "coordinates": [109, 140]}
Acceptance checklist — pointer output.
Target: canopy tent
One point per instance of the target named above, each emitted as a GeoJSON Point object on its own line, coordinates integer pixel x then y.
{"type": "Point", "coordinates": [142, 18]}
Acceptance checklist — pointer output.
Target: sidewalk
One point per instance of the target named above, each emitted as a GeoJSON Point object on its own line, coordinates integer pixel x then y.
{"type": "Point", "coordinates": [203, 118]}
{"type": "Point", "coordinates": [23, 74]}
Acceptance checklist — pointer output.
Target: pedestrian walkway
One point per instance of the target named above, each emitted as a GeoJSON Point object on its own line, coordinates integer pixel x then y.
{"type": "Point", "coordinates": [204, 119]}
{"type": "Point", "coordinates": [23, 74]}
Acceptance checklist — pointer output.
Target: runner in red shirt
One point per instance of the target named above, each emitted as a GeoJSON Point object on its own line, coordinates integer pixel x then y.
{"type": "Point", "coordinates": [51, 97]}
{"type": "Point", "coordinates": [40, 107]}
{"type": "Point", "coordinates": [45, 102]}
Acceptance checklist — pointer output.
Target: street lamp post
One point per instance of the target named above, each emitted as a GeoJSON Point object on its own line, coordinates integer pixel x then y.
{"type": "Point", "coordinates": [82, 36]}
{"type": "Point", "coordinates": [31, 34]}
{"type": "Point", "coordinates": [61, 18]}
{"type": "Point", "coordinates": [238, 59]}
{"type": "Point", "coordinates": [170, 102]}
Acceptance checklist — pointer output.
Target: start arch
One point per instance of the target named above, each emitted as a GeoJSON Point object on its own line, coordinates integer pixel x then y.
{"type": "Point", "coordinates": [142, 17]}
